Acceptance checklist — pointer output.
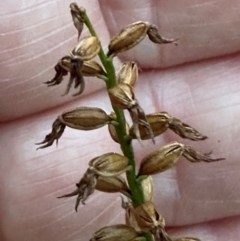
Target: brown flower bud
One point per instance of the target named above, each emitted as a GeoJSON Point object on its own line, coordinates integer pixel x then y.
{"type": "Point", "coordinates": [77, 17]}
{"type": "Point", "coordinates": [85, 188]}
{"type": "Point", "coordinates": [57, 131]}
{"type": "Point", "coordinates": [155, 37]}
{"type": "Point", "coordinates": [147, 187]}
{"type": "Point", "coordinates": [92, 68]}
{"type": "Point", "coordinates": [166, 156]}
{"type": "Point", "coordinates": [161, 159]}
{"type": "Point", "coordinates": [85, 118]}
{"type": "Point", "coordinates": [130, 36]}
{"type": "Point", "coordinates": [122, 96]}
{"type": "Point", "coordinates": [112, 184]}
{"type": "Point", "coordinates": [119, 232]}
{"type": "Point", "coordinates": [148, 218]}
{"type": "Point", "coordinates": [87, 48]}
{"type": "Point", "coordinates": [128, 73]}
{"type": "Point", "coordinates": [187, 239]}
{"type": "Point", "coordinates": [109, 165]}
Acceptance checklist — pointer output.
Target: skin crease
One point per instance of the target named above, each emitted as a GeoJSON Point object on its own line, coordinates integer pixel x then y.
{"type": "Point", "coordinates": [197, 82]}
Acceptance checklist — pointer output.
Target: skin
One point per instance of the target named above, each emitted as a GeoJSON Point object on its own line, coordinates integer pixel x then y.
{"type": "Point", "coordinates": [197, 82]}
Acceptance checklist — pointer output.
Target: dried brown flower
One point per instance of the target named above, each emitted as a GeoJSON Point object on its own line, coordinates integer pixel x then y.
{"type": "Point", "coordinates": [85, 188]}
{"type": "Point", "coordinates": [82, 118]}
{"type": "Point", "coordinates": [77, 17]}
{"type": "Point", "coordinates": [107, 165]}
{"type": "Point", "coordinates": [161, 121]}
{"type": "Point", "coordinates": [166, 156]}
{"type": "Point", "coordinates": [132, 34]}
{"type": "Point", "coordinates": [122, 97]}
{"type": "Point", "coordinates": [77, 69]}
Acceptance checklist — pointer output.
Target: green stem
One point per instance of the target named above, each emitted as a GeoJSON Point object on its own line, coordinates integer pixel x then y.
{"type": "Point", "coordinates": [126, 145]}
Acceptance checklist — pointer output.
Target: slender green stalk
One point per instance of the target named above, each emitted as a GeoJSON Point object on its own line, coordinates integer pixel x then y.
{"type": "Point", "coordinates": [126, 146]}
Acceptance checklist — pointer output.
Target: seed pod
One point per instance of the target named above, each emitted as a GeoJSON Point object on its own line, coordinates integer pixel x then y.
{"type": "Point", "coordinates": [161, 159]}
{"type": "Point", "coordinates": [92, 68]}
{"type": "Point", "coordinates": [128, 37]}
{"type": "Point", "coordinates": [112, 184]}
{"type": "Point", "coordinates": [159, 123]}
{"type": "Point", "coordinates": [122, 96]}
{"type": "Point", "coordinates": [128, 73]}
{"type": "Point", "coordinates": [119, 232]}
{"type": "Point", "coordinates": [77, 17]}
{"type": "Point", "coordinates": [155, 37]}
{"type": "Point", "coordinates": [187, 239]}
{"type": "Point", "coordinates": [85, 118]}
{"type": "Point", "coordinates": [109, 165]}
{"type": "Point", "coordinates": [147, 187]}
{"type": "Point", "coordinates": [148, 218]}
{"type": "Point", "coordinates": [87, 48]}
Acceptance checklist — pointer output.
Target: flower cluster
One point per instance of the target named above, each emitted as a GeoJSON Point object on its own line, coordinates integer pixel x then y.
{"type": "Point", "coordinates": [142, 220]}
